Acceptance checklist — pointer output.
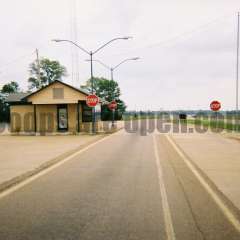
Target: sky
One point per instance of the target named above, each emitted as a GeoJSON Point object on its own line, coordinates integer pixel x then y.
{"type": "Point", "coordinates": [187, 48]}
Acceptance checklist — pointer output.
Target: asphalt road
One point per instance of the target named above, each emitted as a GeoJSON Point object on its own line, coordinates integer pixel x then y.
{"type": "Point", "coordinates": [115, 190]}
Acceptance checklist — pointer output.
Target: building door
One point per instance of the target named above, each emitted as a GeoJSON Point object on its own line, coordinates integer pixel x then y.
{"type": "Point", "coordinates": [62, 115]}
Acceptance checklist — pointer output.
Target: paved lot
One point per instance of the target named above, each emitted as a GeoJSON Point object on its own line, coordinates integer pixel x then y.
{"type": "Point", "coordinates": [20, 154]}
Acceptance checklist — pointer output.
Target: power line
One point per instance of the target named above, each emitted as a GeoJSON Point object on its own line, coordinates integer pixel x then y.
{"type": "Point", "coordinates": [177, 37]}
{"type": "Point", "coordinates": [18, 59]}
{"type": "Point", "coordinates": [237, 67]}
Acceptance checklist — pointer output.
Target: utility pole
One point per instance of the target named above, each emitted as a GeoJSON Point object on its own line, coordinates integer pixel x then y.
{"type": "Point", "coordinates": [112, 98]}
{"type": "Point", "coordinates": [92, 86]}
{"type": "Point", "coordinates": [111, 69]}
{"type": "Point", "coordinates": [237, 70]}
{"type": "Point", "coordinates": [38, 66]}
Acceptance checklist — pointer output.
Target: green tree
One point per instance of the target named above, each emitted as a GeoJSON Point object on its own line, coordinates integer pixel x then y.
{"type": "Point", "coordinates": [7, 89]}
{"type": "Point", "coordinates": [108, 90]}
{"type": "Point", "coordinates": [49, 72]}
{"type": "Point", "coordinates": [11, 87]}
{"type": "Point", "coordinates": [4, 109]}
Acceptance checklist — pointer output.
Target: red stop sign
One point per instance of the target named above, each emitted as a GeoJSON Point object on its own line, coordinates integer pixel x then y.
{"type": "Point", "coordinates": [92, 100]}
{"type": "Point", "coordinates": [215, 106]}
{"type": "Point", "coordinates": [112, 105]}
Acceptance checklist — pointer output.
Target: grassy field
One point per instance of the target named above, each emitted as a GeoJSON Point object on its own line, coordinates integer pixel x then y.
{"type": "Point", "coordinates": [215, 124]}
{"type": "Point", "coordinates": [227, 122]}
{"type": "Point", "coordinates": [139, 117]}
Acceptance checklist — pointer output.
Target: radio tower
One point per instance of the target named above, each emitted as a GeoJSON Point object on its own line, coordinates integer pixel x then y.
{"type": "Point", "coordinates": [74, 37]}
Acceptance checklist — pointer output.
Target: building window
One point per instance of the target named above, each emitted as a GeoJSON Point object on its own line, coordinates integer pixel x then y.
{"type": "Point", "coordinates": [58, 93]}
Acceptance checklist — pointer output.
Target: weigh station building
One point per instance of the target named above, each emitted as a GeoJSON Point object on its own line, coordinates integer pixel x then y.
{"type": "Point", "coordinates": [56, 108]}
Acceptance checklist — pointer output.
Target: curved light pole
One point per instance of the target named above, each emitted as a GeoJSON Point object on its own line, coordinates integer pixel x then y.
{"type": "Point", "coordinates": [91, 53]}
{"type": "Point", "coordinates": [112, 70]}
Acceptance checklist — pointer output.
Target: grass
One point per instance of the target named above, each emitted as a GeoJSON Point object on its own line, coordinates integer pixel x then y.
{"type": "Point", "coordinates": [139, 117]}
{"type": "Point", "coordinates": [227, 122]}
{"type": "Point", "coordinates": [215, 124]}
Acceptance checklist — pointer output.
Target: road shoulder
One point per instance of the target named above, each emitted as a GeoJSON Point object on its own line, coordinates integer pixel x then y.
{"type": "Point", "coordinates": [217, 159]}
{"type": "Point", "coordinates": [35, 158]}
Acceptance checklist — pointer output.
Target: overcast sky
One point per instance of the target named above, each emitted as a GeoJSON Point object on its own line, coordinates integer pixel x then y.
{"type": "Point", "coordinates": [187, 48]}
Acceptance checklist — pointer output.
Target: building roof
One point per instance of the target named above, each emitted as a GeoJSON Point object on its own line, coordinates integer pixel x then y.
{"type": "Point", "coordinates": [22, 97]}
{"type": "Point", "coordinates": [16, 97]}
{"type": "Point", "coordinates": [57, 81]}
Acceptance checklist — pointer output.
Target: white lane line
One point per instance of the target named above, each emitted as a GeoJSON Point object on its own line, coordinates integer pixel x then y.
{"type": "Point", "coordinates": [47, 170]}
{"type": "Point", "coordinates": [226, 211]}
{"type": "Point", "coordinates": [166, 209]}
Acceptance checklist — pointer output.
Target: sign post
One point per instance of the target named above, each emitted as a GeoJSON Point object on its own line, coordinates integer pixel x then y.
{"type": "Point", "coordinates": [113, 106]}
{"type": "Point", "coordinates": [91, 101]}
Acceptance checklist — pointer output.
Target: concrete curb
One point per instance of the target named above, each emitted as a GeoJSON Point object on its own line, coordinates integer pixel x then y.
{"type": "Point", "coordinates": [16, 180]}
{"type": "Point", "coordinates": [232, 136]}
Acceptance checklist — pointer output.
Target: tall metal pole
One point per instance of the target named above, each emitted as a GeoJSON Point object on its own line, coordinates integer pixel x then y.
{"type": "Point", "coordinates": [93, 109]}
{"type": "Point", "coordinates": [38, 66]}
{"type": "Point", "coordinates": [91, 60]}
{"type": "Point", "coordinates": [39, 81]}
{"type": "Point", "coordinates": [112, 73]}
{"type": "Point", "coordinates": [113, 110]}
{"type": "Point", "coordinates": [237, 70]}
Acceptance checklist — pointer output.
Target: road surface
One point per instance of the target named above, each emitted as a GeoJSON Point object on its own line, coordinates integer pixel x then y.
{"type": "Point", "coordinates": [126, 187]}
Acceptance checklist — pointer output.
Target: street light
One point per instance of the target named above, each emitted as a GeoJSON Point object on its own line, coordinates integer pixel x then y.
{"type": "Point", "coordinates": [91, 53]}
{"type": "Point", "coordinates": [112, 70]}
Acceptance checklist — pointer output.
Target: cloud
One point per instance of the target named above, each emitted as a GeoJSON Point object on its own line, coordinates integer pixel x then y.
{"type": "Point", "coordinates": [187, 48]}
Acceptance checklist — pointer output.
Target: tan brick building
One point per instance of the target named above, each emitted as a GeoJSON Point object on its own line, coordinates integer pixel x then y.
{"type": "Point", "coordinates": [56, 108]}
